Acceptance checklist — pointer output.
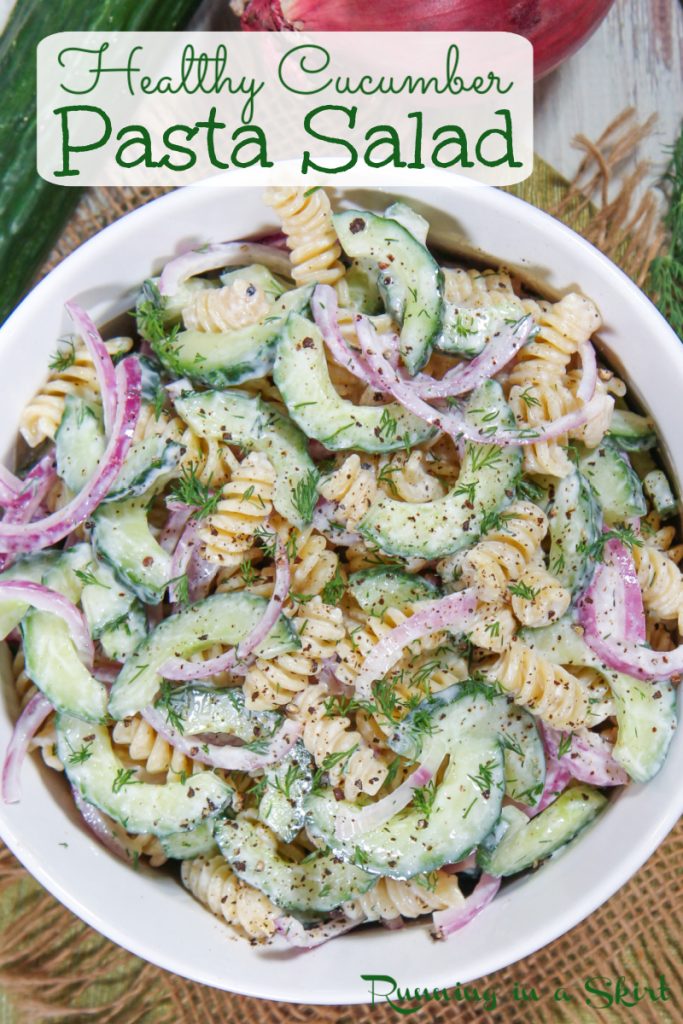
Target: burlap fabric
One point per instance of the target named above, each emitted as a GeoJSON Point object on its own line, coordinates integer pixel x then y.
{"type": "Point", "coordinates": [54, 967]}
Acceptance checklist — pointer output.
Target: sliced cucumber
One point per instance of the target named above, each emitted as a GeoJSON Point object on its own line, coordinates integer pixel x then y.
{"type": "Point", "coordinates": [646, 712]}
{"type": "Point", "coordinates": [410, 219]}
{"type": "Point", "coordinates": [525, 841]}
{"type": "Point", "coordinates": [361, 281]}
{"type": "Point", "coordinates": [122, 537]}
{"type": "Point", "coordinates": [316, 885]}
{"type": "Point", "coordinates": [303, 378]}
{"type": "Point", "coordinates": [166, 309]}
{"type": "Point", "coordinates": [198, 709]}
{"type": "Point", "coordinates": [141, 807]}
{"type": "Point", "coordinates": [150, 464]}
{"type": "Point", "coordinates": [258, 276]}
{"type": "Point", "coordinates": [219, 619]}
{"type": "Point", "coordinates": [281, 806]}
{"type": "Point", "coordinates": [79, 442]}
{"type": "Point", "coordinates": [53, 664]}
{"type": "Point", "coordinates": [199, 842]}
{"type": "Point", "coordinates": [658, 489]}
{"type": "Point", "coordinates": [112, 611]}
{"type": "Point", "coordinates": [234, 417]}
{"type": "Point", "coordinates": [487, 479]}
{"type": "Point", "coordinates": [575, 524]}
{"type": "Point", "coordinates": [408, 269]}
{"type": "Point", "coordinates": [614, 483]}
{"type": "Point", "coordinates": [631, 431]}
{"type": "Point", "coordinates": [378, 589]}
{"type": "Point", "coordinates": [34, 568]}
{"type": "Point", "coordinates": [151, 379]}
{"type": "Point", "coordinates": [222, 359]}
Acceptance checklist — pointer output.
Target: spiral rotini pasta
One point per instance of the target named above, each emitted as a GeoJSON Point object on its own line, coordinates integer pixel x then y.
{"type": "Point", "coordinates": [391, 898]}
{"type": "Point", "coordinates": [353, 487]}
{"type": "Point", "coordinates": [306, 219]}
{"type": "Point", "coordinates": [538, 598]}
{"type": "Point", "coordinates": [212, 881]}
{"type": "Point", "coordinates": [506, 550]}
{"type": "Point", "coordinates": [473, 289]}
{"type": "Point", "coordinates": [408, 477]}
{"type": "Point", "coordinates": [660, 581]}
{"type": "Point", "coordinates": [210, 461]}
{"type": "Point", "coordinates": [225, 309]}
{"type": "Point", "coordinates": [270, 684]}
{"type": "Point", "coordinates": [545, 689]}
{"type": "Point", "coordinates": [246, 502]}
{"type": "Point", "coordinates": [329, 736]}
{"type": "Point", "coordinates": [74, 374]}
{"type": "Point", "coordinates": [144, 746]}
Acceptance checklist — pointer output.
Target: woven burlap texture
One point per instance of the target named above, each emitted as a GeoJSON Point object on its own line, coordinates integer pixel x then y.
{"type": "Point", "coordinates": [54, 967]}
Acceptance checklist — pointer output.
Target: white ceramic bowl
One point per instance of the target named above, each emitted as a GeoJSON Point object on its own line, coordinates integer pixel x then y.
{"type": "Point", "coordinates": [149, 913]}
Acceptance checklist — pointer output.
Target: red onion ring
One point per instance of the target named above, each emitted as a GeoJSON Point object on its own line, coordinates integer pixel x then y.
{"type": "Point", "coordinates": [451, 421]}
{"type": "Point", "coordinates": [181, 669]}
{"type": "Point", "coordinates": [181, 557]}
{"type": "Point", "coordinates": [230, 758]}
{"type": "Point", "coordinates": [589, 759]}
{"type": "Point", "coordinates": [19, 537]}
{"type": "Point", "coordinates": [450, 612]}
{"type": "Point", "coordinates": [175, 524]}
{"type": "Point", "coordinates": [45, 600]}
{"type": "Point", "coordinates": [452, 920]}
{"type": "Point", "coordinates": [27, 725]}
{"type": "Point", "coordinates": [217, 256]}
{"type": "Point", "coordinates": [36, 486]}
{"type": "Point", "coordinates": [324, 307]}
{"type": "Point", "coordinates": [102, 361]}
{"type": "Point", "coordinates": [293, 932]}
{"type": "Point", "coordinates": [98, 825]}
{"type": "Point", "coordinates": [589, 372]}
{"type": "Point", "coordinates": [364, 819]}
{"type": "Point", "coordinates": [10, 487]}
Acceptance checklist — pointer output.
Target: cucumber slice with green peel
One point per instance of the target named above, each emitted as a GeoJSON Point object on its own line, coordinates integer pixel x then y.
{"type": "Point", "coordinates": [467, 726]}
{"type": "Point", "coordinates": [53, 664]}
{"type": "Point", "coordinates": [631, 431]}
{"type": "Point", "coordinates": [302, 375]}
{"type": "Point", "coordinates": [119, 640]}
{"type": "Point", "coordinates": [220, 619]}
{"type": "Point", "coordinates": [281, 806]}
{"type": "Point", "coordinates": [149, 464]}
{"type": "Point", "coordinates": [105, 601]}
{"type": "Point", "coordinates": [234, 417]}
{"type": "Point", "coordinates": [259, 276]}
{"type": "Point", "coordinates": [199, 842]}
{"type": "Point", "coordinates": [34, 569]}
{"type": "Point", "coordinates": [316, 885]}
{"type": "Point", "coordinates": [614, 483]}
{"type": "Point", "coordinates": [645, 711]}
{"type": "Point", "coordinates": [121, 537]}
{"type": "Point", "coordinates": [658, 489]}
{"type": "Point", "coordinates": [378, 589]}
{"type": "Point", "coordinates": [364, 293]}
{"type": "Point", "coordinates": [523, 841]}
{"type": "Point", "coordinates": [488, 474]}
{"type": "Point", "coordinates": [141, 807]}
{"type": "Point", "coordinates": [410, 219]}
{"type": "Point", "coordinates": [79, 442]}
{"type": "Point", "coordinates": [151, 379]}
{"type": "Point", "coordinates": [575, 526]}
{"type": "Point", "coordinates": [222, 359]}
{"type": "Point", "coordinates": [197, 709]}
{"type": "Point", "coordinates": [408, 269]}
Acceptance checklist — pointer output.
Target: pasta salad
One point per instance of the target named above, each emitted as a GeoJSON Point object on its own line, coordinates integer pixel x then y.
{"type": "Point", "coordinates": [349, 581]}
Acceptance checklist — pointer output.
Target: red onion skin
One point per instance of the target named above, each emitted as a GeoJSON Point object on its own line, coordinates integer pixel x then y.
{"type": "Point", "coordinates": [556, 28]}
{"type": "Point", "coordinates": [27, 725]}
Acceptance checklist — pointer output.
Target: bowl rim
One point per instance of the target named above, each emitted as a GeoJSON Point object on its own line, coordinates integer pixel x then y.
{"type": "Point", "coordinates": [594, 895]}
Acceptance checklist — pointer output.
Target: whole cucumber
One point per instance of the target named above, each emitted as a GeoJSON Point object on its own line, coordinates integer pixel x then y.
{"type": "Point", "coordinates": [32, 211]}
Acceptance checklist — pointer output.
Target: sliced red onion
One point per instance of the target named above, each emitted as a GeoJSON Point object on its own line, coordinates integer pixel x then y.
{"type": "Point", "coordinates": [200, 576]}
{"type": "Point", "coordinates": [466, 864]}
{"type": "Point", "coordinates": [181, 557]}
{"type": "Point", "coordinates": [102, 361]}
{"type": "Point", "coordinates": [631, 610]}
{"type": "Point", "coordinates": [98, 824]}
{"type": "Point", "coordinates": [45, 600]}
{"type": "Point", "coordinates": [324, 307]}
{"type": "Point", "coordinates": [589, 372]}
{"type": "Point", "coordinates": [293, 932]}
{"type": "Point", "coordinates": [502, 348]}
{"type": "Point", "coordinates": [451, 612]}
{"type": "Point", "coordinates": [232, 759]}
{"type": "Point", "coordinates": [27, 725]}
{"type": "Point", "coordinates": [106, 671]}
{"type": "Point", "coordinates": [10, 487]}
{"type": "Point", "coordinates": [452, 920]}
{"type": "Point", "coordinates": [179, 668]}
{"type": "Point", "coordinates": [36, 487]}
{"type": "Point", "coordinates": [217, 256]}
{"type": "Point", "coordinates": [589, 758]}
{"type": "Point", "coordinates": [324, 522]}
{"type": "Point", "coordinates": [175, 524]}
{"type": "Point", "coordinates": [452, 421]}
{"type": "Point", "coordinates": [19, 537]}
{"type": "Point", "coordinates": [364, 819]}
{"type": "Point", "coordinates": [274, 240]}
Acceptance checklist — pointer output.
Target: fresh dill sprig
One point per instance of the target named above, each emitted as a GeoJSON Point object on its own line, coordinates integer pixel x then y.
{"type": "Point", "coordinates": [665, 281]}
{"type": "Point", "coordinates": [149, 313]}
{"type": "Point", "coordinates": [305, 495]}
{"type": "Point", "coordinates": [64, 357]}
{"type": "Point", "coordinates": [191, 491]}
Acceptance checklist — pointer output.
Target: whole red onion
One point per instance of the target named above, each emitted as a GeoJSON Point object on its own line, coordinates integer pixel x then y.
{"type": "Point", "coordinates": [557, 28]}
